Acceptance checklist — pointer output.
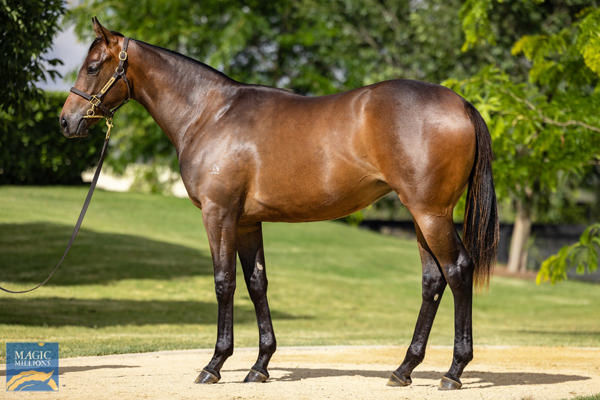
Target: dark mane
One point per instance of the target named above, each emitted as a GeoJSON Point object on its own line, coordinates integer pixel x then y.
{"type": "Point", "coordinates": [186, 59]}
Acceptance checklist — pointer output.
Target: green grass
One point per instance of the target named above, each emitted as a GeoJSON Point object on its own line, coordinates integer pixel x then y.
{"type": "Point", "coordinates": [139, 278]}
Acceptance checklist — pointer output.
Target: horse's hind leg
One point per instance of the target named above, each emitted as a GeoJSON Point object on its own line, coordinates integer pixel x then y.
{"type": "Point", "coordinates": [250, 250]}
{"type": "Point", "coordinates": [433, 286]}
{"type": "Point", "coordinates": [456, 265]}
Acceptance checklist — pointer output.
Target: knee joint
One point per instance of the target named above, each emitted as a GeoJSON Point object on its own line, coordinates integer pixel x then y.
{"type": "Point", "coordinates": [224, 288]}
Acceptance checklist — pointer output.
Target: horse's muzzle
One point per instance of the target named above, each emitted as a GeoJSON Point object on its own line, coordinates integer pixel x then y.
{"type": "Point", "coordinates": [70, 130]}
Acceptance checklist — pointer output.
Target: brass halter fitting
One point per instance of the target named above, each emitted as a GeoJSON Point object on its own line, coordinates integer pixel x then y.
{"type": "Point", "coordinates": [91, 112]}
{"type": "Point", "coordinates": [109, 125]}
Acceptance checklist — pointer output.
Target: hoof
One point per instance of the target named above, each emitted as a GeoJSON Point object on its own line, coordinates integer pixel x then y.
{"type": "Point", "coordinates": [396, 380]}
{"type": "Point", "coordinates": [256, 376]}
{"type": "Point", "coordinates": [207, 377]}
{"type": "Point", "coordinates": [449, 384]}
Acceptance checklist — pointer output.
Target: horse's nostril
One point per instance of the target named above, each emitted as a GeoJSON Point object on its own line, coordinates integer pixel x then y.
{"type": "Point", "coordinates": [64, 124]}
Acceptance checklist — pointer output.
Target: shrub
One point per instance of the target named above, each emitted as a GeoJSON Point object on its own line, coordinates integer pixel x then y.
{"type": "Point", "coordinates": [33, 150]}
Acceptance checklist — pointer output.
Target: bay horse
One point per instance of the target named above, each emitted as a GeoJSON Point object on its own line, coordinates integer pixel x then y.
{"type": "Point", "coordinates": [250, 153]}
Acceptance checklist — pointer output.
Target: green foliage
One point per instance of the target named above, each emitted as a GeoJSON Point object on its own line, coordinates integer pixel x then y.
{"type": "Point", "coordinates": [545, 130]}
{"type": "Point", "coordinates": [491, 27]}
{"type": "Point", "coordinates": [544, 124]}
{"type": "Point", "coordinates": [355, 218]}
{"type": "Point", "coordinates": [153, 179]}
{"type": "Point", "coordinates": [496, 23]}
{"type": "Point", "coordinates": [28, 28]}
{"type": "Point", "coordinates": [588, 41]}
{"type": "Point", "coordinates": [583, 256]}
{"type": "Point", "coordinates": [567, 57]}
{"type": "Point", "coordinates": [34, 151]}
{"type": "Point", "coordinates": [474, 15]}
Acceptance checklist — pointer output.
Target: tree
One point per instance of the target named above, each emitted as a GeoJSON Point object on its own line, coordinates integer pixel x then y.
{"type": "Point", "coordinates": [28, 28]}
{"type": "Point", "coordinates": [545, 129]}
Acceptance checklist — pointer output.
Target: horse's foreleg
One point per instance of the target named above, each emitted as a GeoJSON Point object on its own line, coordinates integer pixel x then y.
{"type": "Point", "coordinates": [221, 227]}
{"type": "Point", "coordinates": [433, 286]}
{"type": "Point", "coordinates": [250, 250]}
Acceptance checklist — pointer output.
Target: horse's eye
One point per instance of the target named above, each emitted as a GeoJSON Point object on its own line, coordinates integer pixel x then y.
{"type": "Point", "coordinates": [93, 70]}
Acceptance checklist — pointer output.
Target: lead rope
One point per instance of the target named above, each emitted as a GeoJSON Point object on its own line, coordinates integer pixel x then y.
{"type": "Point", "coordinates": [86, 203]}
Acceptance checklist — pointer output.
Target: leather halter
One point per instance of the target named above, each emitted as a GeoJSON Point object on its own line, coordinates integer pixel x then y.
{"type": "Point", "coordinates": [95, 100]}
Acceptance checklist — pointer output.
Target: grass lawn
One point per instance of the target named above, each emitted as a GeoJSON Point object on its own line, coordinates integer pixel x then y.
{"type": "Point", "coordinates": [139, 278]}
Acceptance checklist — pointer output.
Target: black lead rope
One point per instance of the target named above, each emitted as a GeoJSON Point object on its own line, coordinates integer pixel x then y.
{"type": "Point", "coordinates": [77, 225]}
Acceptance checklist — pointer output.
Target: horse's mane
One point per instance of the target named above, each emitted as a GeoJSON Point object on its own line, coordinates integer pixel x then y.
{"type": "Point", "coordinates": [184, 58]}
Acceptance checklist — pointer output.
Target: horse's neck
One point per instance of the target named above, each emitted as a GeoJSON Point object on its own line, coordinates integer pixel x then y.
{"type": "Point", "coordinates": [176, 92]}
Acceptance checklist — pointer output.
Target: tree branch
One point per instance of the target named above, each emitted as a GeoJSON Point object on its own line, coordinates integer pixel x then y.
{"type": "Point", "coordinates": [549, 120]}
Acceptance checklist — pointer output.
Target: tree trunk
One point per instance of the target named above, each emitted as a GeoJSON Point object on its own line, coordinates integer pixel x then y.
{"type": "Point", "coordinates": [517, 257]}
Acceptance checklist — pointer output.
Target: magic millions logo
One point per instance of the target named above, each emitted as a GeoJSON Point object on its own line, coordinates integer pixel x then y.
{"type": "Point", "coordinates": [31, 367]}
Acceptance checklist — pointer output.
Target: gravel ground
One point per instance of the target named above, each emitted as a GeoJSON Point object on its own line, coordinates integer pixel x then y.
{"type": "Point", "coordinates": [334, 372]}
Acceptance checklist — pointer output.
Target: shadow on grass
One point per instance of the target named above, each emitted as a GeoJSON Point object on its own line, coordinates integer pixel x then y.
{"type": "Point", "coordinates": [29, 251]}
{"type": "Point", "coordinates": [59, 311]}
{"type": "Point", "coordinates": [483, 379]}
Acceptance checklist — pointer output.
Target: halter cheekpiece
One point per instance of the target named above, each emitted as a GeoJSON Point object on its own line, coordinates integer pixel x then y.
{"type": "Point", "coordinates": [95, 100]}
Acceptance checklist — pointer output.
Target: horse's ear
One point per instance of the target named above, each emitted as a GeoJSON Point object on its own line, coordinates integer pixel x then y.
{"type": "Point", "coordinates": [101, 31]}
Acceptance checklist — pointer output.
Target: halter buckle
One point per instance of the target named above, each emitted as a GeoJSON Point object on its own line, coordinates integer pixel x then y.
{"type": "Point", "coordinates": [123, 55]}
{"type": "Point", "coordinates": [95, 101]}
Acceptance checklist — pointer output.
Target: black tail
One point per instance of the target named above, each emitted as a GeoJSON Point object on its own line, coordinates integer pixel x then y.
{"type": "Point", "coordinates": [480, 229]}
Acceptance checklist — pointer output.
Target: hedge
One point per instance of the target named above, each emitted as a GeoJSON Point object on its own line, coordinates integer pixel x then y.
{"type": "Point", "coordinates": [33, 150]}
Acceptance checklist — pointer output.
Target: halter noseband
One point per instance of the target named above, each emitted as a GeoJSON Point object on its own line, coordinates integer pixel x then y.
{"type": "Point", "coordinates": [95, 100]}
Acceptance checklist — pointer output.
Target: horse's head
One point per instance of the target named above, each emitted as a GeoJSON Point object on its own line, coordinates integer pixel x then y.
{"type": "Point", "coordinates": [94, 95]}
